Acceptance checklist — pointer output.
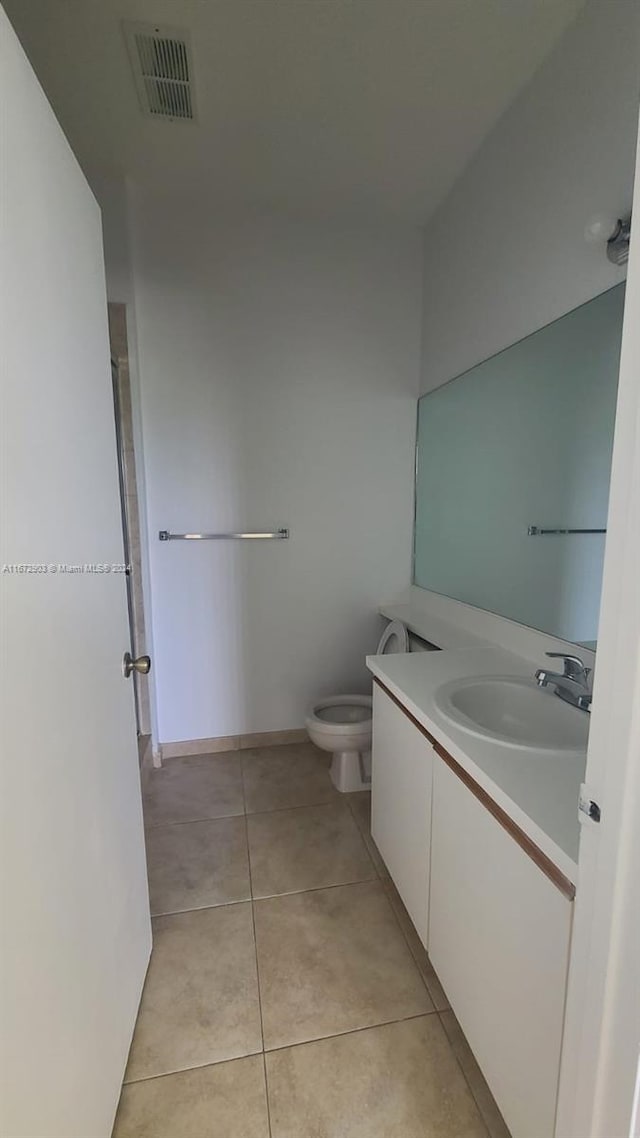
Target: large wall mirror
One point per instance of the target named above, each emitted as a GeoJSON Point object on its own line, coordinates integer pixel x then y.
{"type": "Point", "coordinates": [518, 445]}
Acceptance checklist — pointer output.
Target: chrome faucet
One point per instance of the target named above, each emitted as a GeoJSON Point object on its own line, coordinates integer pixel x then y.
{"type": "Point", "coordinates": [572, 685]}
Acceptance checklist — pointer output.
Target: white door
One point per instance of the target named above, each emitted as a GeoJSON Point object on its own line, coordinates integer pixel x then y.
{"type": "Point", "coordinates": [75, 936]}
{"type": "Point", "coordinates": [599, 1075]}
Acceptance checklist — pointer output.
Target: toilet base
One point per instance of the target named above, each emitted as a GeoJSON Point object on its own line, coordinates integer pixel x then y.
{"type": "Point", "coordinates": [351, 771]}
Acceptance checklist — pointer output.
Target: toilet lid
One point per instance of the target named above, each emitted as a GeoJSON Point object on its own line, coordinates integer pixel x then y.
{"type": "Point", "coordinates": [393, 639]}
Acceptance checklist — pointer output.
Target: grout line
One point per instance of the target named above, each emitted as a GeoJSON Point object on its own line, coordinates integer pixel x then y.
{"type": "Point", "coordinates": [465, 1075]}
{"type": "Point", "coordinates": [410, 950]}
{"type": "Point", "coordinates": [244, 802]}
{"type": "Point", "coordinates": [367, 837]}
{"type": "Point", "coordinates": [266, 1091]}
{"type": "Point", "coordinates": [320, 889]}
{"type": "Point", "coordinates": [336, 797]}
{"type": "Point", "coordinates": [288, 1046]}
{"type": "Point", "coordinates": [365, 832]}
{"type": "Point", "coordinates": [192, 821]}
{"type": "Point", "coordinates": [271, 897]}
{"type": "Point", "coordinates": [487, 1126]}
{"type": "Point", "coordinates": [194, 1067]}
{"type": "Point", "coordinates": [298, 806]}
{"type": "Point", "coordinates": [202, 908]}
{"type": "Point", "coordinates": [388, 885]}
{"type": "Point", "coordinates": [383, 882]}
{"type": "Point", "coordinates": [351, 1031]}
{"type": "Point", "coordinates": [255, 949]}
{"type": "Point", "coordinates": [364, 835]}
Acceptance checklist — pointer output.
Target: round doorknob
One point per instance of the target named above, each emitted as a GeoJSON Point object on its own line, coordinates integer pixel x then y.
{"type": "Point", "coordinates": [142, 664]}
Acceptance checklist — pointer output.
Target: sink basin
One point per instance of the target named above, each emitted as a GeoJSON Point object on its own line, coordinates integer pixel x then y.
{"type": "Point", "coordinates": [514, 711]}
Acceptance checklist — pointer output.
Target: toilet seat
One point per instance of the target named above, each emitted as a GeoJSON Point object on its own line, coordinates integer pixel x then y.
{"type": "Point", "coordinates": [347, 714]}
{"type": "Point", "coordinates": [394, 639]}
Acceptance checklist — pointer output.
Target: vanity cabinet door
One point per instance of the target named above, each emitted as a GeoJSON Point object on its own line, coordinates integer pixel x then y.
{"type": "Point", "coordinates": [499, 940]}
{"type": "Point", "coordinates": [402, 768]}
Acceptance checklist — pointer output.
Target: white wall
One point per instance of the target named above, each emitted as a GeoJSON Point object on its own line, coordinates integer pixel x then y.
{"type": "Point", "coordinates": [506, 254]}
{"type": "Point", "coordinates": [279, 371]}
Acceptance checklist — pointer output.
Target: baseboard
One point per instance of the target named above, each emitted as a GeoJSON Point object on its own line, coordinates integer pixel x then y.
{"type": "Point", "coordinates": [181, 748]}
{"type": "Point", "coordinates": [272, 738]}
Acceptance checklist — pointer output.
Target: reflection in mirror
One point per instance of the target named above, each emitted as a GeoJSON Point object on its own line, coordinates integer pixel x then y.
{"type": "Point", "coordinates": [523, 440]}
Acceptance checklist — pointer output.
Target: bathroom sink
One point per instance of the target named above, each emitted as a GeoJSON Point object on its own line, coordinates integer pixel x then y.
{"type": "Point", "coordinates": [513, 711]}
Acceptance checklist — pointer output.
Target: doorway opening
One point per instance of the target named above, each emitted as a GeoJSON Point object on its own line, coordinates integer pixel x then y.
{"type": "Point", "coordinates": [120, 375]}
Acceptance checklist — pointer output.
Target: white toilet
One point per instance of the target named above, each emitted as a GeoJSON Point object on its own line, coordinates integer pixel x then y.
{"type": "Point", "coordinates": [342, 724]}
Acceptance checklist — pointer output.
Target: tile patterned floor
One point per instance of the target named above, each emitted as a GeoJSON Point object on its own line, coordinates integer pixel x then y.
{"type": "Point", "coordinates": [288, 994]}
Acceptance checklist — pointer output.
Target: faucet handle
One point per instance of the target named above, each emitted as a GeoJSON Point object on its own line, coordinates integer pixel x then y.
{"type": "Point", "coordinates": [574, 667]}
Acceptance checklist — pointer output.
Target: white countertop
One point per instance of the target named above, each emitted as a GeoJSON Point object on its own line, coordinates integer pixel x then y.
{"type": "Point", "coordinates": [442, 633]}
{"type": "Point", "coordinates": [537, 789]}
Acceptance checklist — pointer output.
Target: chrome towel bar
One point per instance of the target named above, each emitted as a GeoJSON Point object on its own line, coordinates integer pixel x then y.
{"type": "Point", "coordinates": [278, 535]}
{"type": "Point", "coordinates": [535, 531]}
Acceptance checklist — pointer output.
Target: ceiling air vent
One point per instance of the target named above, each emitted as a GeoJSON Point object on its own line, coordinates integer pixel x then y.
{"type": "Point", "coordinates": [161, 60]}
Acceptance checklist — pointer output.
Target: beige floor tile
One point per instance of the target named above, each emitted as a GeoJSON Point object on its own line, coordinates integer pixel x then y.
{"type": "Point", "coordinates": [417, 949]}
{"type": "Point", "coordinates": [279, 777]}
{"type": "Point", "coordinates": [200, 1000]}
{"type": "Point", "coordinates": [397, 1081]}
{"type": "Point", "coordinates": [227, 1100]}
{"type": "Point", "coordinates": [487, 1105]}
{"type": "Point", "coordinates": [186, 790]}
{"type": "Point", "coordinates": [360, 803]}
{"type": "Point", "coordinates": [195, 864]}
{"type": "Point", "coordinates": [306, 848]}
{"type": "Point", "coordinates": [333, 960]}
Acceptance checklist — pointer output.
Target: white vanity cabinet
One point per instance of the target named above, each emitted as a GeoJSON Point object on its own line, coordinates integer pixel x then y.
{"type": "Point", "coordinates": [499, 933]}
{"type": "Point", "coordinates": [491, 908]}
{"type": "Point", "coordinates": [402, 771]}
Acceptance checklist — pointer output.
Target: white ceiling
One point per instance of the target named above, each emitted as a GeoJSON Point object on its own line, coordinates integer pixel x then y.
{"type": "Point", "coordinates": [351, 107]}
